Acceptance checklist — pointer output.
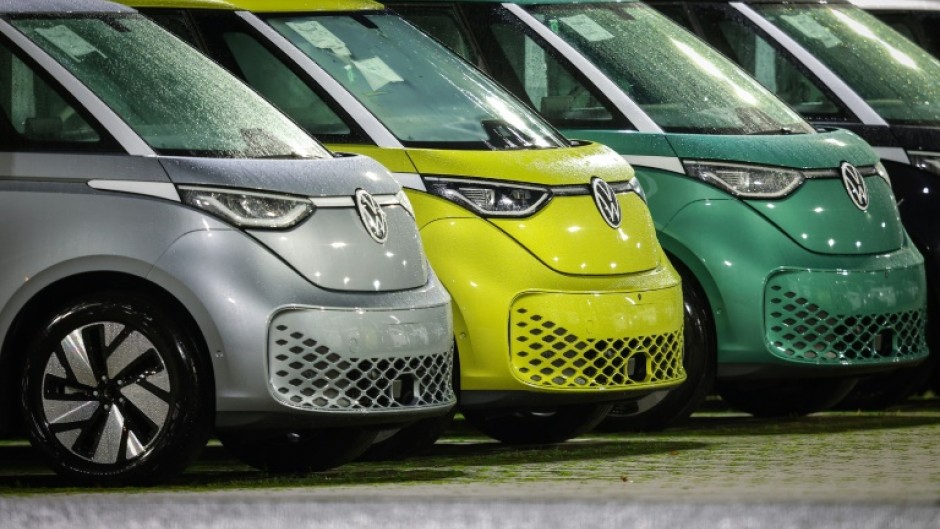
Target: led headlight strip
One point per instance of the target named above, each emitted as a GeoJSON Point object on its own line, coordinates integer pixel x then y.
{"type": "Point", "coordinates": [492, 198]}
{"type": "Point", "coordinates": [754, 181]}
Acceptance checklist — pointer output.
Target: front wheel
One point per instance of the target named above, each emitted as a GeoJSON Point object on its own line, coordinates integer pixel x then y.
{"type": "Point", "coordinates": [297, 452]}
{"type": "Point", "coordinates": [661, 409]}
{"type": "Point", "coordinates": [113, 391]}
{"type": "Point", "coordinates": [537, 427]}
{"type": "Point", "coordinates": [791, 398]}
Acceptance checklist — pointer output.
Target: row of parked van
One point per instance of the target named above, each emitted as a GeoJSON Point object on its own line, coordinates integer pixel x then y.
{"type": "Point", "coordinates": [197, 264]}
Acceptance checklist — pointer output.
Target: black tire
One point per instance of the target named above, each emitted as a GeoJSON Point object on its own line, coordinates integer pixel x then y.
{"type": "Point", "coordinates": [410, 440]}
{"type": "Point", "coordinates": [882, 391]}
{"type": "Point", "coordinates": [297, 452]}
{"type": "Point", "coordinates": [791, 398]}
{"type": "Point", "coordinates": [662, 409]}
{"type": "Point", "coordinates": [537, 426]}
{"type": "Point", "coordinates": [114, 391]}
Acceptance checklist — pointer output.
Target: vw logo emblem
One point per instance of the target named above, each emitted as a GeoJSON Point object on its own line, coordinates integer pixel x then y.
{"type": "Point", "coordinates": [606, 201]}
{"type": "Point", "coordinates": [855, 186]}
{"type": "Point", "coordinates": [372, 216]}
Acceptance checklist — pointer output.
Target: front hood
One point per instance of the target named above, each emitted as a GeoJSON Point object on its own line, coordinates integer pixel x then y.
{"type": "Point", "coordinates": [332, 248]}
{"type": "Point", "coordinates": [548, 167]}
{"type": "Point", "coordinates": [568, 234]}
{"type": "Point", "coordinates": [339, 176]}
{"type": "Point", "coordinates": [822, 218]}
{"type": "Point", "coordinates": [819, 215]}
{"type": "Point", "coordinates": [824, 150]}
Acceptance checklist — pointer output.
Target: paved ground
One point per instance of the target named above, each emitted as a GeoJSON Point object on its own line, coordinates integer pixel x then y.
{"type": "Point", "coordinates": [877, 470]}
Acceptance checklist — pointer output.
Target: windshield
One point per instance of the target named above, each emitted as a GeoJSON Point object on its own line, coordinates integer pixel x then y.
{"type": "Point", "coordinates": [680, 82]}
{"type": "Point", "coordinates": [423, 93]}
{"type": "Point", "coordinates": [179, 102]}
{"type": "Point", "coordinates": [898, 79]}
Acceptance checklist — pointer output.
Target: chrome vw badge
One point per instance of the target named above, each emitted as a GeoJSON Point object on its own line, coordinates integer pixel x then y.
{"type": "Point", "coordinates": [606, 201]}
{"type": "Point", "coordinates": [855, 185]}
{"type": "Point", "coordinates": [372, 216]}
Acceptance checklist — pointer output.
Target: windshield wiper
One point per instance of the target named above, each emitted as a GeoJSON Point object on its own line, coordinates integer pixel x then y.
{"type": "Point", "coordinates": [783, 131]}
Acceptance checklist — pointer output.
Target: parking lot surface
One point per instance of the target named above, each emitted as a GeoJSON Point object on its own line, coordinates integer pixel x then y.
{"type": "Point", "coordinates": [723, 469]}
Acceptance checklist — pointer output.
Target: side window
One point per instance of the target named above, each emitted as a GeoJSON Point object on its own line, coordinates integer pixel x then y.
{"type": "Point", "coordinates": [176, 23]}
{"type": "Point", "coordinates": [442, 23]}
{"type": "Point", "coordinates": [275, 81]}
{"type": "Point", "coordinates": [774, 69]}
{"type": "Point", "coordinates": [37, 117]}
{"type": "Point", "coordinates": [918, 27]}
{"type": "Point", "coordinates": [550, 86]}
{"type": "Point", "coordinates": [677, 13]}
{"type": "Point", "coordinates": [241, 53]}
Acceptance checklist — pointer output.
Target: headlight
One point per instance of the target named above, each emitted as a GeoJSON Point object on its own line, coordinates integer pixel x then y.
{"type": "Point", "coordinates": [747, 181]}
{"type": "Point", "coordinates": [247, 209]}
{"type": "Point", "coordinates": [928, 161]}
{"type": "Point", "coordinates": [490, 199]}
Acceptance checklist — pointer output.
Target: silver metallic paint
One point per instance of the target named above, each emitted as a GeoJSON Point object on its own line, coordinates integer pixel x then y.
{"type": "Point", "coordinates": [333, 249]}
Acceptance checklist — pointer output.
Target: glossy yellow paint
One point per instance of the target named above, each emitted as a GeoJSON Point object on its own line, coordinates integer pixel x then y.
{"type": "Point", "coordinates": [554, 167]}
{"type": "Point", "coordinates": [263, 6]}
{"type": "Point", "coordinates": [570, 236]}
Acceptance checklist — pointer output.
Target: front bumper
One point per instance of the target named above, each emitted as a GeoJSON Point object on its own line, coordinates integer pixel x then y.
{"type": "Point", "coordinates": [353, 360]}
{"type": "Point", "coordinates": [287, 354]}
{"type": "Point", "coordinates": [784, 312]}
{"type": "Point", "coordinates": [597, 341]}
{"type": "Point", "coordinates": [846, 317]}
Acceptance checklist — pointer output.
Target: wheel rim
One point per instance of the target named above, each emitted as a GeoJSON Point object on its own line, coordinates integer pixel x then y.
{"type": "Point", "coordinates": [106, 393]}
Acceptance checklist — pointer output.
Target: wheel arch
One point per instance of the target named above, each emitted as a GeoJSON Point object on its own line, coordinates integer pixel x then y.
{"type": "Point", "coordinates": [691, 266]}
{"type": "Point", "coordinates": [26, 315]}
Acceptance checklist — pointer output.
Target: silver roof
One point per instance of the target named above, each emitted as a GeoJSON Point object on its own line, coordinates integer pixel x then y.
{"type": "Point", "coordinates": [60, 6]}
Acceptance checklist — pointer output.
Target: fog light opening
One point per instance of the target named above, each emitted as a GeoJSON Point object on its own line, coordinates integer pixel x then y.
{"type": "Point", "coordinates": [405, 390]}
{"type": "Point", "coordinates": [883, 343]}
{"type": "Point", "coordinates": [636, 367]}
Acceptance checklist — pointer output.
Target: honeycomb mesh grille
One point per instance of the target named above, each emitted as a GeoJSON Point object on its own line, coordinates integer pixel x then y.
{"type": "Point", "coordinates": [307, 374]}
{"type": "Point", "coordinates": [546, 354]}
{"type": "Point", "coordinates": [799, 329]}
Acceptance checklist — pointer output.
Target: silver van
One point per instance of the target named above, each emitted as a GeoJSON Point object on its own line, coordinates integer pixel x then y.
{"type": "Point", "coordinates": [179, 258]}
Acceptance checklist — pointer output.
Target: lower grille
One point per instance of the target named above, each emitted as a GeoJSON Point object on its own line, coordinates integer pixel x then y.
{"type": "Point", "coordinates": [799, 329]}
{"type": "Point", "coordinates": [307, 374]}
{"type": "Point", "coordinates": [544, 353]}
